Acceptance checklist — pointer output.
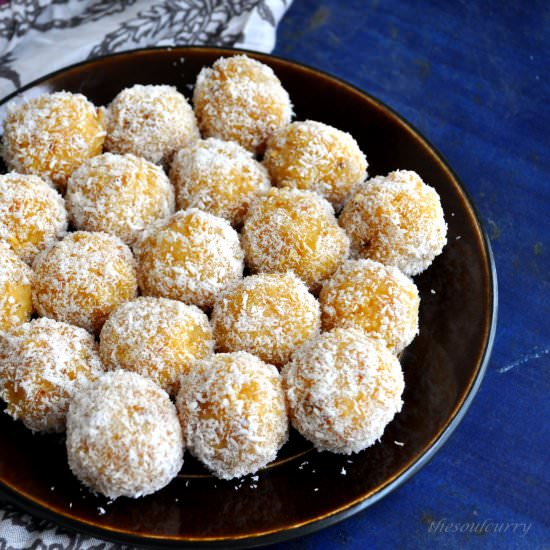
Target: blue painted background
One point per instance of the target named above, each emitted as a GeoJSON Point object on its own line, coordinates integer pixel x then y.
{"type": "Point", "coordinates": [473, 78]}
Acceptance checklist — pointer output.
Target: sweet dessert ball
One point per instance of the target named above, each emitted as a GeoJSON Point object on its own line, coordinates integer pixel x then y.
{"type": "Point", "coordinates": [150, 122]}
{"type": "Point", "coordinates": [375, 298]}
{"type": "Point", "coordinates": [293, 230]}
{"type": "Point", "coordinates": [52, 135]}
{"type": "Point", "coordinates": [396, 220]}
{"type": "Point", "coordinates": [119, 194]}
{"type": "Point", "coordinates": [124, 436]}
{"type": "Point", "coordinates": [190, 257]}
{"type": "Point", "coordinates": [315, 156]}
{"type": "Point", "coordinates": [267, 315]}
{"type": "Point", "coordinates": [82, 278]}
{"type": "Point", "coordinates": [240, 99]}
{"type": "Point", "coordinates": [15, 289]}
{"type": "Point", "coordinates": [233, 413]}
{"type": "Point", "coordinates": [343, 388]}
{"type": "Point", "coordinates": [220, 177]}
{"type": "Point", "coordinates": [42, 364]}
{"type": "Point", "coordinates": [156, 337]}
{"type": "Point", "coordinates": [32, 214]}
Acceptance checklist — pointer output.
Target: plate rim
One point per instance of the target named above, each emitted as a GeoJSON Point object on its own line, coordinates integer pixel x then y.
{"type": "Point", "coordinates": [32, 506]}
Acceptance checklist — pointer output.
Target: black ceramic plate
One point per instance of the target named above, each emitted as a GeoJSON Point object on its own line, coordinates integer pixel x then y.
{"type": "Point", "coordinates": [304, 490]}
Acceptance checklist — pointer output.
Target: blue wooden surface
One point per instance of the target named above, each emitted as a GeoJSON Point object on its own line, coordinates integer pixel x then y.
{"type": "Point", "coordinates": [473, 78]}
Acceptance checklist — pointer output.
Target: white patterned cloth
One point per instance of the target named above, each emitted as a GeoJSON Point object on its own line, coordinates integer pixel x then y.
{"type": "Point", "coordinates": [41, 36]}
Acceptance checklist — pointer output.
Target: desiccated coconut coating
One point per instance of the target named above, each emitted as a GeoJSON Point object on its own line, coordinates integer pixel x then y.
{"type": "Point", "coordinates": [190, 257]}
{"type": "Point", "coordinates": [124, 436]}
{"type": "Point", "coordinates": [267, 315]}
{"type": "Point", "coordinates": [233, 413]}
{"type": "Point", "coordinates": [376, 298]}
{"type": "Point", "coordinates": [396, 220]}
{"type": "Point", "coordinates": [240, 99]}
{"type": "Point", "coordinates": [150, 121]}
{"type": "Point", "coordinates": [82, 278]}
{"type": "Point", "coordinates": [293, 230]}
{"type": "Point", "coordinates": [156, 337]}
{"type": "Point", "coordinates": [343, 388]}
{"type": "Point", "coordinates": [15, 289]}
{"type": "Point", "coordinates": [220, 177]}
{"type": "Point", "coordinates": [32, 214]}
{"type": "Point", "coordinates": [119, 194]}
{"type": "Point", "coordinates": [312, 155]}
{"type": "Point", "coordinates": [52, 135]}
{"type": "Point", "coordinates": [42, 364]}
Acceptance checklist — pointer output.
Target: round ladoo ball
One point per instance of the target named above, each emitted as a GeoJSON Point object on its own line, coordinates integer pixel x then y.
{"type": "Point", "coordinates": [119, 194]}
{"type": "Point", "coordinates": [42, 364]}
{"type": "Point", "coordinates": [52, 135]}
{"type": "Point", "coordinates": [292, 230]}
{"type": "Point", "coordinates": [82, 278]}
{"type": "Point", "coordinates": [312, 155]}
{"type": "Point", "coordinates": [343, 388]}
{"type": "Point", "coordinates": [15, 289]}
{"type": "Point", "coordinates": [233, 413]}
{"type": "Point", "coordinates": [124, 436]}
{"type": "Point", "coordinates": [396, 220]}
{"type": "Point", "coordinates": [375, 298]}
{"type": "Point", "coordinates": [190, 257]}
{"type": "Point", "coordinates": [240, 99]}
{"type": "Point", "coordinates": [150, 122]}
{"type": "Point", "coordinates": [157, 338]}
{"type": "Point", "coordinates": [220, 177]}
{"type": "Point", "coordinates": [267, 315]}
{"type": "Point", "coordinates": [32, 214]}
